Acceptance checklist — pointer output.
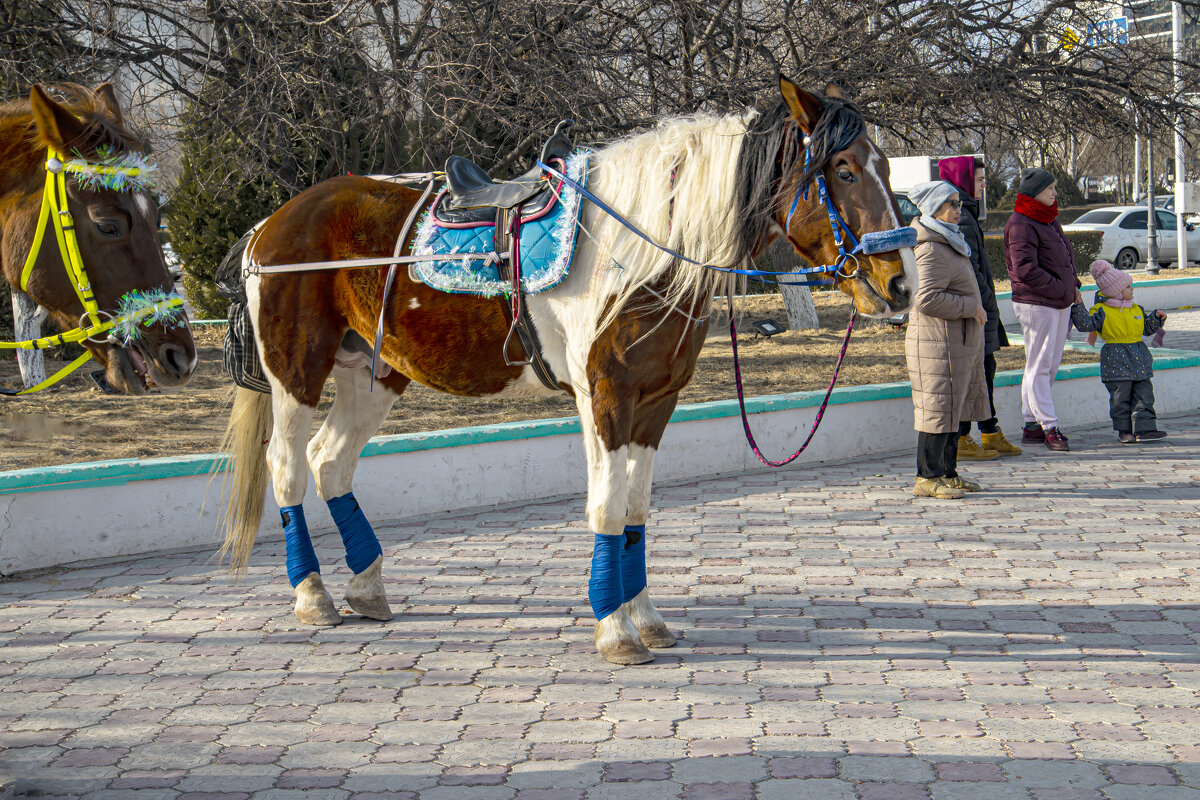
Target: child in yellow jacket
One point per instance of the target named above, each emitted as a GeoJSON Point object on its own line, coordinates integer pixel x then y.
{"type": "Point", "coordinates": [1126, 365]}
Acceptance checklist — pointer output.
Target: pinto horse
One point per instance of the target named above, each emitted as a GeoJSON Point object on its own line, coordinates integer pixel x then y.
{"type": "Point", "coordinates": [621, 333]}
{"type": "Point", "coordinates": [105, 248]}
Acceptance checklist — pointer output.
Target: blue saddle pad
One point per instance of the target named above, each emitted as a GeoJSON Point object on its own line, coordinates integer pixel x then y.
{"type": "Point", "coordinates": [547, 245]}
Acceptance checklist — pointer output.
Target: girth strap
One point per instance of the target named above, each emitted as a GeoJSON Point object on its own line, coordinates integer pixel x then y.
{"type": "Point", "coordinates": [391, 277]}
{"type": "Point", "coordinates": [508, 238]}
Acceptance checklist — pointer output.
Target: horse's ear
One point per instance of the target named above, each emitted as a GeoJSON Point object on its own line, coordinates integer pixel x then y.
{"type": "Point", "coordinates": [833, 90]}
{"type": "Point", "coordinates": [57, 126]}
{"type": "Point", "coordinates": [107, 96]}
{"type": "Point", "coordinates": [804, 107]}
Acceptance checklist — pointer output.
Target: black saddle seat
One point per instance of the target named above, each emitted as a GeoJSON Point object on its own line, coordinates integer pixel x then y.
{"type": "Point", "coordinates": [470, 187]}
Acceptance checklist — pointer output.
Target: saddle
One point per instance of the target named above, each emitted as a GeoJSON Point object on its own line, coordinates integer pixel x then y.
{"type": "Point", "coordinates": [472, 199]}
{"type": "Point", "coordinates": [472, 195]}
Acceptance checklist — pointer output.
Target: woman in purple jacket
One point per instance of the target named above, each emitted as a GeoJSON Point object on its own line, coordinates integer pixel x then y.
{"type": "Point", "coordinates": [1041, 265]}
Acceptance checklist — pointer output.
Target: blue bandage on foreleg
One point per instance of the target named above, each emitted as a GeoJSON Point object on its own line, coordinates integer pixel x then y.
{"type": "Point", "coordinates": [633, 562]}
{"type": "Point", "coordinates": [362, 546]}
{"type": "Point", "coordinates": [885, 241]}
{"type": "Point", "coordinates": [604, 584]}
{"type": "Point", "coordinates": [301, 557]}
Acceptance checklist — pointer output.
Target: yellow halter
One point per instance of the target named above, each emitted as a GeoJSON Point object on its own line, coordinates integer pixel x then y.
{"type": "Point", "coordinates": [55, 213]}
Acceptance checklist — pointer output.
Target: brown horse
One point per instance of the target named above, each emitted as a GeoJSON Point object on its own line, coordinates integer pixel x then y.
{"type": "Point", "coordinates": [116, 230]}
{"type": "Point", "coordinates": [621, 333]}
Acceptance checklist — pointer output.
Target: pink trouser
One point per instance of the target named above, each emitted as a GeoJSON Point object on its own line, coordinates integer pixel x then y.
{"type": "Point", "coordinates": [1045, 331]}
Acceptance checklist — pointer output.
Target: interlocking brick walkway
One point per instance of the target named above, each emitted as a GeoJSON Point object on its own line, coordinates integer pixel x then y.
{"type": "Point", "coordinates": [842, 640]}
{"type": "Point", "coordinates": [1182, 329]}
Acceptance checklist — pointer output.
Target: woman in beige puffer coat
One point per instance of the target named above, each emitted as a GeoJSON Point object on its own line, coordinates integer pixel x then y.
{"type": "Point", "coordinates": [944, 343]}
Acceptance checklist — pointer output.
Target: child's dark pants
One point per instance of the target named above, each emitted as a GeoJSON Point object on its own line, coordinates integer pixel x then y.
{"type": "Point", "coordinates": [1131, 406]}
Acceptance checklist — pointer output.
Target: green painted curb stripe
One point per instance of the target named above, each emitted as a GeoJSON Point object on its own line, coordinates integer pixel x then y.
{"type": "Point", "coordinates": [1164, 357]}
{"type": "Point", "coordinates": [122, 471]}
{"type": "Point", "coordinates": [458, 437]}
{"type": "Point", "coordinates": [1090, 287]}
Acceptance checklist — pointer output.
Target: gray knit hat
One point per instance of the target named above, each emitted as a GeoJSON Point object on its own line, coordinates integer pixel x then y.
{"type": "Point", "coordinates": [1034, 180]}
{"type": "Point", "coordinates": [930, 196]}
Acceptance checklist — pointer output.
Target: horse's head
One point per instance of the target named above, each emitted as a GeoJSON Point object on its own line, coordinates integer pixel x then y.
{"type": "Point", "coordinates": [855, 173]}
{"type": "Point", "coordinates": [116, 229]}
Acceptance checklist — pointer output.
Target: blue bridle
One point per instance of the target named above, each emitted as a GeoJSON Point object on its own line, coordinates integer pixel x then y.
{"type": "Point", "coordinates": [870, 243]}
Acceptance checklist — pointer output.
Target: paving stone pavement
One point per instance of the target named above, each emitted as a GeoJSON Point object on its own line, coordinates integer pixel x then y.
{"type": "Point", "coordinates": [842, 640]}
{"type": "Point", "coordinates": [1182, 328]}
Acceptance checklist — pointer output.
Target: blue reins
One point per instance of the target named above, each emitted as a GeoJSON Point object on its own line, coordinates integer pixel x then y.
{"type": "Point", "coordinates": [873, 242]}
{"type": "Point", "coordinates": [757, 274]}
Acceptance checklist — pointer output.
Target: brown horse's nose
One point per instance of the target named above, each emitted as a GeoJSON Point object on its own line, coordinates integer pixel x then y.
{"type": "Point", "coordinates": [899, 291]}
{"type": "Point", "coordinates": [174, 360]}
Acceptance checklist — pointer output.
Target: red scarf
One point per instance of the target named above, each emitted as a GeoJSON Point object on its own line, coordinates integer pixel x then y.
{"type": "Point", "coordinates": [1036, 211]}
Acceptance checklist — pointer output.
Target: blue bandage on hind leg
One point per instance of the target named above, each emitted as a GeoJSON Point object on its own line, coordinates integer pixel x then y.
{"type": "Point", "coordinates": [362, 546]}
{"type": "Point", "coordinates": [301, 557]}
{"type": "Point", "coordinates": [633, 562]}
{"type": "Point", "coordinates": [604, 584]}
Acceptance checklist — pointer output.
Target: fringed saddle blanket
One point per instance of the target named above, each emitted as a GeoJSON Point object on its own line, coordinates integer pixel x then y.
{"type": "Point", "coordinates": [547, 244]}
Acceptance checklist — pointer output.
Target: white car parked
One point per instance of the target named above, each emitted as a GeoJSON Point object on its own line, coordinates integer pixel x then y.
{"type": "Point", "coordinates": [1167, 203]}
{"type": "Point", "coordinates": [1124, 229]}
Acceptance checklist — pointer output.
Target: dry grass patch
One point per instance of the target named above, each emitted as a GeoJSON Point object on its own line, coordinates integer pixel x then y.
{"type": "Point", "coordinates": [79, 423]}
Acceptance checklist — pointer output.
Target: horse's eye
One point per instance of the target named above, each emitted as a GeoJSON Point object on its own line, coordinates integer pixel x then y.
{"type": "Point", "coordinates": [107, 227]}
{"type": "Point", "coordinates": [846, 175]}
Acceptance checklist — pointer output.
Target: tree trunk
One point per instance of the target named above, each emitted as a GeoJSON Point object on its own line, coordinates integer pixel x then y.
{"type": "Point", "coordinates": [801, 311]}
{"type": "Point", "coordinates": [27, 324]}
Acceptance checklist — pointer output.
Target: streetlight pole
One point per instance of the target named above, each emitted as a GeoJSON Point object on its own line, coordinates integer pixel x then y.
{"type": "Point", "coordinates": [1177, 54]}
{"type": "Point", "coordinates": [1151, 216]}
{"type": "Point", "coordinates": [1137, 156]}
{"type": "Point", "coordinates": [1137, 163]}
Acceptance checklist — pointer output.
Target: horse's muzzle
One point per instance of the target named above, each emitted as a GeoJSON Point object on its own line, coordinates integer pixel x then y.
{"type": "Point", "coordinates": [899, 295]}
{"type": "Point", "coordinates": [173, 363]}
{"type": "Point", "coordinates": [134, 367]}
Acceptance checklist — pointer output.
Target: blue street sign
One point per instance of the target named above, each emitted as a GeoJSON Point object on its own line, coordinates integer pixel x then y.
{"type": "Point", "coordinates": [1109, 31]}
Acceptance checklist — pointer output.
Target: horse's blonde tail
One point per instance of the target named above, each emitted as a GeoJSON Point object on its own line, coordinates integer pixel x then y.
{"type": "Point", "coordinates": [246, 473]}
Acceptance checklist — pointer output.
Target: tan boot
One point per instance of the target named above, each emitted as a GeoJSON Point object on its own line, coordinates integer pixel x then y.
{"type": "Point", "coordinates": [968, 450]}
{"type": "Point", "coordinates": [996, 441]}
{"type": "Point", "coordinates": [959, 482]}
{"type": "Point", "coordinates": [936, 487]}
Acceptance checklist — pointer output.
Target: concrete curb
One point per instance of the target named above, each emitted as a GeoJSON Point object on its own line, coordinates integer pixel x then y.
{"type": "Point", "coordinates": [1162, 293]}
{"type": "Point", "coordinates": [59, 515]}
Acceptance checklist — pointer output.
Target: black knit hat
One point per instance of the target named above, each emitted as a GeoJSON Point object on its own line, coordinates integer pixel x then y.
{"type": "Point", "coordinates": [1034, 180]}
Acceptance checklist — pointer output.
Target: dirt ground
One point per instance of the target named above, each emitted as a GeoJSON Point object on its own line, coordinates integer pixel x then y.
{"type": "Point", "coordinates": [79, 423]}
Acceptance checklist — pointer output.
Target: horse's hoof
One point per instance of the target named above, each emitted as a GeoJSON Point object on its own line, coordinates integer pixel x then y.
{"type": "Point", "coordinates": [314, 606]}
{"type": "Point", "coordinates": [628, 653]}
{"type": "Point", "coordinates": [365, 593]}
{"type": "Point", "coordinates": [649, 623]}
{"type": "Point", "coordinates": [657, 636]}
{"type": "Point", "coordinates": [371, 607]}
{"type": "Point", "coordinates": [618, 641]}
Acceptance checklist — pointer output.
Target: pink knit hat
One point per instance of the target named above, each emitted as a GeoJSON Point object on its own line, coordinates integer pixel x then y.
{"type": "Point", "coordinates": [1110, 280]}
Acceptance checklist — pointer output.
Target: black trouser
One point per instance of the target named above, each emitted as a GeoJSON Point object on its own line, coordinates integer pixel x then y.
{"type": "Point", "coordinates": [937, 455]}
{"type": "Point", "coordinates": [1131, 406]}
{"type": "Point", "coordinates": [988, 425]}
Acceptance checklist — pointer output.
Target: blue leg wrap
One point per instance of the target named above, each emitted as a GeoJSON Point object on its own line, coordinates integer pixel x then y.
{"type": "Point", "coordinates": [301, 557]}
{"type": "Point", "coordinates": [633, 561]}
{"type": "Point", "coordinates": [362, 547]}
{"type": "Point", "coordinates": [604, 585]}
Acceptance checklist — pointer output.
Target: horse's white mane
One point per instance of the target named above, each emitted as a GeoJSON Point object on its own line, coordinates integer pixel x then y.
{"type": "Point", "coordinates": [678, 184]}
